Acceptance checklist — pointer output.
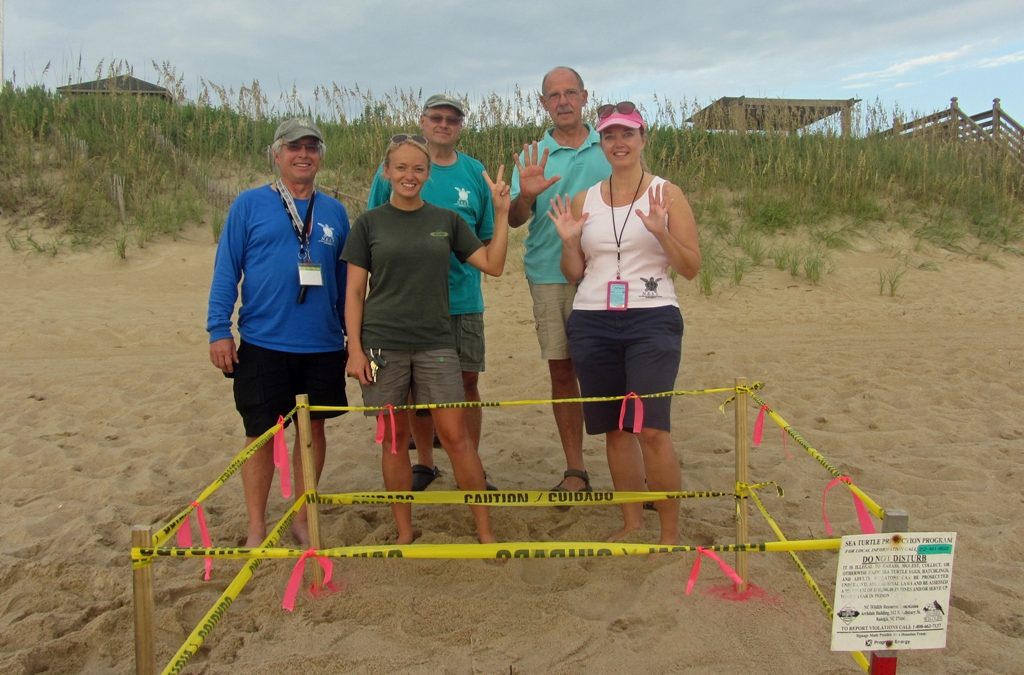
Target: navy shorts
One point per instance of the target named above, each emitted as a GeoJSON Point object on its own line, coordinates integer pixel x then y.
{"type": "Point", "coordinates": [267, 381]}
{"type": "Point", "coordinates": [616, 353]}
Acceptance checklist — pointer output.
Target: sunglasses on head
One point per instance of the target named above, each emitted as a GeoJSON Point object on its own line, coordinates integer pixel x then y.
{"type": "Point", "coordinates": [402, 138]}
{"type": "Point", "coordinates": [622, 107]}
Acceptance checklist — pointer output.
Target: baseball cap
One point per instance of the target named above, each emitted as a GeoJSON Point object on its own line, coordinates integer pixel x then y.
{"type": "Point", "coordinates": [296, 128]}
{"type": "Point", "coordinates": [632, 120]}
{"type": "Point", "coordinates": [438, 100]}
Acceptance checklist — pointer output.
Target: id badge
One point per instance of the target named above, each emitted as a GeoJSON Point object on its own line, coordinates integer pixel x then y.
{"type": "Point", "coordinates": [309, 275]}
{"type": "Point", "coordinates": [618, 295]}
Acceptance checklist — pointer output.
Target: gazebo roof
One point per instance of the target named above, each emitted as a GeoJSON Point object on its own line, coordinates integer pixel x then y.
{"type": "Point", "coordinates": [119, 84]}
{"type": "Point", "coordinates": [767, 114]}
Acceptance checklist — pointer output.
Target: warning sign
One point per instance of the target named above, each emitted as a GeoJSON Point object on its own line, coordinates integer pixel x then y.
{"type": "Point", "coordinates": [892, 591]}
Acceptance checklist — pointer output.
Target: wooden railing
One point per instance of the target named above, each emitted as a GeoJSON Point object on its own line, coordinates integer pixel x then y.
{"type": "Point", "coordinates": [993, 126]}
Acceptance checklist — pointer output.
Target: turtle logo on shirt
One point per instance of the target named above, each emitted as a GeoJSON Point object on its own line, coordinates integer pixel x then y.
{"type": "Point", "coordinates": [463, 197]}
{"type": "Point", "coordinates": [650, 287]}
{"type": "Point", "coordinates": [328, 235]}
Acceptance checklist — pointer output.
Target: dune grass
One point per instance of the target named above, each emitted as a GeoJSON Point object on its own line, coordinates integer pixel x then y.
{"type": "Point", "coordinates": [760, 199]}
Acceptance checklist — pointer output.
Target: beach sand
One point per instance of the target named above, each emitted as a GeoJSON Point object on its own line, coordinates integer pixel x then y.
{"type": "Point", "coordinates": [113, 416]}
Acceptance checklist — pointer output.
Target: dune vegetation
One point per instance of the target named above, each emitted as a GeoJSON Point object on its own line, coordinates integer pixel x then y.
{"type": "Point", "coordinates": [121, 171]}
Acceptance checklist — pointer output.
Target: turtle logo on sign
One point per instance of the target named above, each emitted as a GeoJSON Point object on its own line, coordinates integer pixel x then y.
{"type": "Point", "coordinates": [847, 614]}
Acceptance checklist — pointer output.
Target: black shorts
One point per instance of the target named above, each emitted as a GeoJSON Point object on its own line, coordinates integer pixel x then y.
{"type": "Point", "coordinates": [616, 353]}
{"type": "Point", "coordinates": [267, 381]}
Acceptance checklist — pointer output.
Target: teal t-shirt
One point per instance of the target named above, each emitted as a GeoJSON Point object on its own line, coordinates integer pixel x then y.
{"type": "Point", "coordinates": [579, 168]}
{"type": "Point", "coordinates": [459, 187]}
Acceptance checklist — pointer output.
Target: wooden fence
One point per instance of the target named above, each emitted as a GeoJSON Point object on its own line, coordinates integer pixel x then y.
{"type": "Point", "coordinates": [993, 126]}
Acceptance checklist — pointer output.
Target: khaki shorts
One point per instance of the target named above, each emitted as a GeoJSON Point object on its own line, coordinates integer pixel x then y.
{"type": "Point", "coordinates": [468, 330]}
{"type": "Point", "coordinates": [552, 304]}
{"type": "Point", "coordinates": [432, 376]}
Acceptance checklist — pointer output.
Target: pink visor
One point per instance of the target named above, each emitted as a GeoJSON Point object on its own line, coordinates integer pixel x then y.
{"type": "Point", "coordinates": [631, 120]}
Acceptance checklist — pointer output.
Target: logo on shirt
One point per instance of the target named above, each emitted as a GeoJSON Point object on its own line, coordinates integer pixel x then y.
{"type": "Point", "coordinates": [328, 234]}
{"type": "Point", "coordinates": [650, 287]}
{"type": "Point", "coordinates": [463, 197]}
{"type": "Point", "coordinates": [439, 234]}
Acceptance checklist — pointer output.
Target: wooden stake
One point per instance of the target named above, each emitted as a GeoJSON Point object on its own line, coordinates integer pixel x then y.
{"type": "Point", "coordinates": [742, 447]}
{"type": "Point", "coordinates": [142, 596]}
{"type": "Point", "coordinates": [309, 480]}
{"type": "Point", "coordinates": [883, 662]}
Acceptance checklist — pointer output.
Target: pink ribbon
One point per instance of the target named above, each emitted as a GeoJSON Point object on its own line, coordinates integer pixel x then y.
{"type": "Point", "coordinates": [695, 570]}
{"type": "Point", "coordinates": [867, 526]}
{"type": "Point", "coordinates": [638, 412]}
{"type": "Point", "coordinates": [281, 459]}
{"type": "Point", "coordinates": [379, 438]}
{"type": "Point", "coordinates": [295, 580]}
{"type": "Point", "coordinates": [759, 426]}
{"type": "Point", "coordinates": [184, 537]}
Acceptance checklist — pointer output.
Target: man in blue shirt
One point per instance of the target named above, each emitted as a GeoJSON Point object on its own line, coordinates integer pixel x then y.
{"type": "Point", "coordinates": [567, 159]}
{"type": "Point", "coordinates": [456, 182]}
{"type": "Point", "coordinates": [282, 242]}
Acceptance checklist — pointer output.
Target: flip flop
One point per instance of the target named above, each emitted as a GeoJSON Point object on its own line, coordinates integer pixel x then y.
{"type": "Point", "coordinates": [572, 473]}
{"type": "Point", "coordinates": [422, 476]}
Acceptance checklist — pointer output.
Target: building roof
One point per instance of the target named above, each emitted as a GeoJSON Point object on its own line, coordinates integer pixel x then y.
{"type": "Point", "coordinates": [767, 114]}
{"type": "Point", "coordinates": [119, 84]}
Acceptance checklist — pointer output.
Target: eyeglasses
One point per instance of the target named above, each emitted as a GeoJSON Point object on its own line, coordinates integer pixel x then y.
{"type": "Point", "coordinates": [404, 138]}
{"type": "Point", "coordinates": [567, 94]}
{"type": "Point", "coordinates": [622, 107]}
{"type": "Point", "coordinates": [453, 120]}
{"type": "Point", "coordinates": [295, 146]}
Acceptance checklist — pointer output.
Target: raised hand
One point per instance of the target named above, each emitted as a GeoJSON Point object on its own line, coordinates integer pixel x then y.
{"type": "Point", "coordinates": [656, 219]}
{"type": "Point", "coordinates": [531, 171]}
{"type": "Point", "coordinates": [569, 228]}
{"type": "Point", "coordinates": [499, 191]}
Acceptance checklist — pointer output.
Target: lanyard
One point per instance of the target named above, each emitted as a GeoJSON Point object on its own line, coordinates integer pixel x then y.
{"type": "Point", "coordinates": [302, 228]}
{"type": "Point", "coordinates": [617, 233]}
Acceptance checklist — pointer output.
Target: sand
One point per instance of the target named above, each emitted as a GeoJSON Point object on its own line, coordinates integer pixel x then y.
{"type": "Point", "coordinates": [113, 416]}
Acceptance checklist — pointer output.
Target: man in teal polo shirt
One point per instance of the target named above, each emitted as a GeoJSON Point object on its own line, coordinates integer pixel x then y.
{"type": "Point", "coordinates": [566, 160]}
{"type": "Point", "coordinates": [457, 183]}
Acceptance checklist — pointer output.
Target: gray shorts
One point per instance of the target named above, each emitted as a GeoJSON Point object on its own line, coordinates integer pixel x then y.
{"type": "Point", "coordinates": [433, 376]}
{"type": "Point", "coordinates": [552, 304]}
{"type": "Point", "coordinates": [468, 330]}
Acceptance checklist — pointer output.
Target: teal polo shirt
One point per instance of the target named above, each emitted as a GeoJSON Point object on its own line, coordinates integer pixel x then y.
{"type": "Point", "coordinates": [579, 168]}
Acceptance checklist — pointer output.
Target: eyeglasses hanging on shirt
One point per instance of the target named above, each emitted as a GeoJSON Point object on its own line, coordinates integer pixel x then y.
{"type": "Point", "coordinates": [309, 272]}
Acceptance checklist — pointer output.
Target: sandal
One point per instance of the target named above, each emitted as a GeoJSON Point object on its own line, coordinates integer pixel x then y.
{"type": "Point", "coordinates": [422, 476]}
{"type": "Point", "coordinates": [573, 473]}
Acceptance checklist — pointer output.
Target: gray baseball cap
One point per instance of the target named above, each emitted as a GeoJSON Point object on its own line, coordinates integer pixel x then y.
{"type": "Point", "coordinates": [438, 100]}
{"type": "Point", "coordinates": [296, 128]}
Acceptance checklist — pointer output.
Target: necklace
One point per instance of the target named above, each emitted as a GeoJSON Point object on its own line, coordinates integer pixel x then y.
{"type": "Point", "coordinates": [616, 232]}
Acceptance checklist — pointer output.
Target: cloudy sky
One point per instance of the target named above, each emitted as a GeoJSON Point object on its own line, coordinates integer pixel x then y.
{"type": "Point", "coordinates": [911, 55]}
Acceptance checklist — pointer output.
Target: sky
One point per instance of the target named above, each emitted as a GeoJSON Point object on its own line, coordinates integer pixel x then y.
{"type": "Point", "coordinates": [905, 56]}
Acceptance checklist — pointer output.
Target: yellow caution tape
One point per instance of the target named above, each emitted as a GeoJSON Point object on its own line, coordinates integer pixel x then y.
{"type": "Point", "coordinates": [502, 404]}
{"type": "Point", "coordinates": [210, 620]}
{"type": "Point", "coordinates": [165, 532]}
{"type": "Point", "coordinates": [511, 497]}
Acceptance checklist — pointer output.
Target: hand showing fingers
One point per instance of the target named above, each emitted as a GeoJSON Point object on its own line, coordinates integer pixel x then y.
{"type": "Point", "coordinates": [568, 227]}
{"type": "Point", "coordinates": [499, 190]}
{"type": "Point", "coordinates": [656, 219]}
{"type": "Point", "coordinates": [531, 170]}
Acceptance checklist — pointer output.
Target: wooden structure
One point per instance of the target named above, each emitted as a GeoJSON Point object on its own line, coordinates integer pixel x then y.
{"type": "Point", "coordinates": [740, 113]}
{"type": "Point", "coordinates": [991, 126]}
{"type": "Point", "coordinates": [119, 84]}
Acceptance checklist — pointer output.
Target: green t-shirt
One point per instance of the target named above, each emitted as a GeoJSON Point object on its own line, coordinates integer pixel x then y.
{"type": "Point", "coordinates": [407, 254]}
{"type": "Point", "coordinates": [460, 187]}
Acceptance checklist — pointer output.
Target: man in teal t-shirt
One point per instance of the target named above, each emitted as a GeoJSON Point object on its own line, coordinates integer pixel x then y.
{"type": "Point", "coordinates": [456, 182]}
{"type": "Point", "coordinates": [565, 161]}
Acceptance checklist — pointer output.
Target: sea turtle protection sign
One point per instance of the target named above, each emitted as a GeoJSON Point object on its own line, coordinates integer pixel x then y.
{"type": "Point", "coordinates": [892, 591]}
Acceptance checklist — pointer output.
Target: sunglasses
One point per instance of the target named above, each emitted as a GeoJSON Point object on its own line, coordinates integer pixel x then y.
{"type": "Point", "coordinates": [295, 146]}
{"type": "Point", "coordinates": [452, 120]}
{"type": "Point", "coordinates": [404, 138]}
{"type": "Point", "coordinates": [622, 107]}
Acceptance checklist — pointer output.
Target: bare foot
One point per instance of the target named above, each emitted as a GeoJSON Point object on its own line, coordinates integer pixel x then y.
{"type": "Point", "coordinates": [619, 535]}
{"type": "Point", "coordinates": [300, 532]}
{"type": "Point", "coordinates": [406, 537]}
{"type": "Point", "coordinates": [254, 539]}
